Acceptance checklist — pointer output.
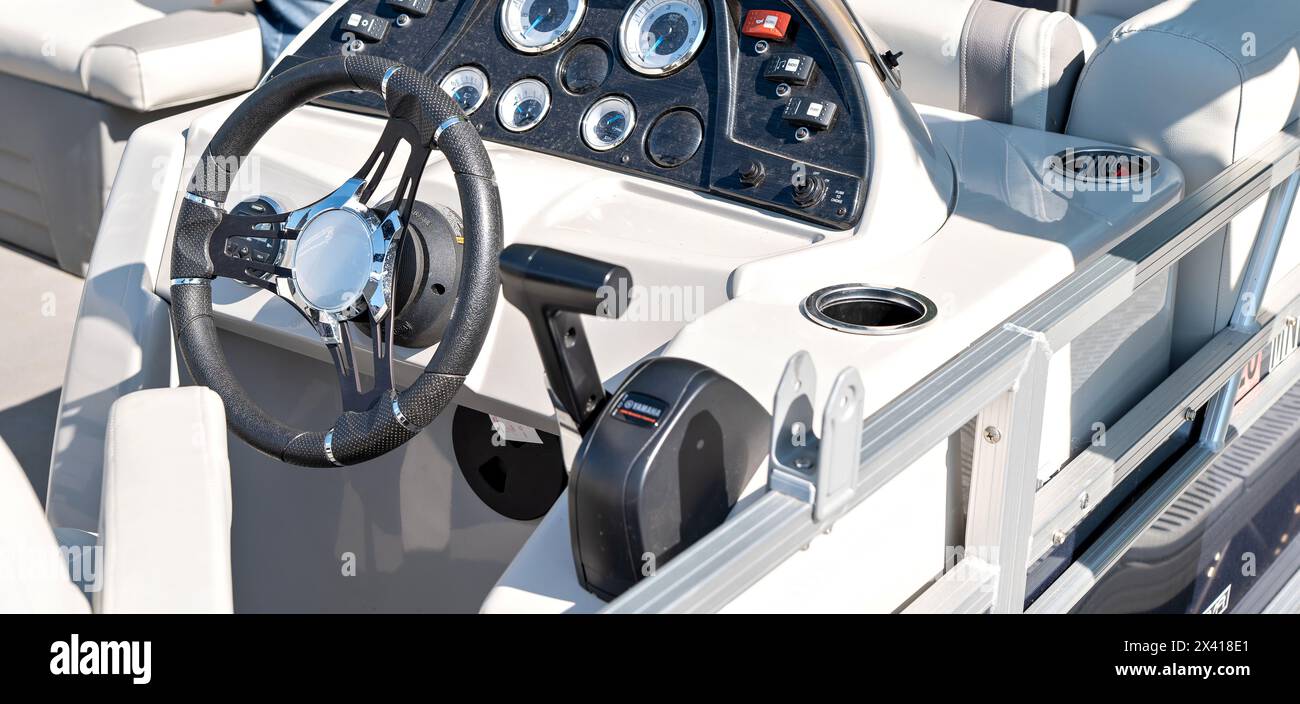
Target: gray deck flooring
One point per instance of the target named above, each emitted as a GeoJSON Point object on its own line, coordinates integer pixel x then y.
{"type": "Point", "coordinates": [41, 304]}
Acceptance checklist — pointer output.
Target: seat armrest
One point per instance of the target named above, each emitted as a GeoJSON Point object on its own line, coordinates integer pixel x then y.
{"type": "Point", "coordinates": [182, 58]}
{"type": "Point", "coordinates": [164, 523]}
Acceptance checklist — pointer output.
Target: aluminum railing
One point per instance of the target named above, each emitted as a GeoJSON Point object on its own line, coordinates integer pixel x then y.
{"type": "Point", "coordinates": [1001, 382]}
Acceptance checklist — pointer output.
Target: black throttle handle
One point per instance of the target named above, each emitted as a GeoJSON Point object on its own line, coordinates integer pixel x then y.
{"type": "Point", "coordinates": [554, 289]}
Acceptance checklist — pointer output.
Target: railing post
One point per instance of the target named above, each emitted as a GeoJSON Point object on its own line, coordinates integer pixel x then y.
{"type": "Point", "coordinates": [1245, 316]}
{"type": "Point", "coordinates": [1004, 477]}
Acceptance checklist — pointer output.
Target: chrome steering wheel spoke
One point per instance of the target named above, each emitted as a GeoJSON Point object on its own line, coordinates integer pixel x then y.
{"type": "Point", "coordinates": [339, 341]}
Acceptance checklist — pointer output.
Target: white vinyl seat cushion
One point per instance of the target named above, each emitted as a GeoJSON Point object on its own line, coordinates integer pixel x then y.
{"type": "Point", "coordinates": [1098, 17]}
{"type": "Point", "coordinates": [140, 54]}
{"type": "Point", "coordinates": [33, 571]}
{"type": "Point", "coordinates": [1202, 83]}
{"type": "Point", "coordinates": [165, 515]}
{"type": "Point", "coordinates": [985, 58]}
{"type": "Point", "coordinates": [1095, 30]}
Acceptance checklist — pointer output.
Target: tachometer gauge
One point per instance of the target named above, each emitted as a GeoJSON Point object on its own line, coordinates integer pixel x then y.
{"type": "Point", "coordinates": [607, 123]}
{"type": "Point", "coordinates": [533, 26]}
{"type": "Point", "coordinates": [468, 86]}
{"type": "Point", "coordinates": [658, 37]}
{"type": "Point", "coordinates": [523, 105]}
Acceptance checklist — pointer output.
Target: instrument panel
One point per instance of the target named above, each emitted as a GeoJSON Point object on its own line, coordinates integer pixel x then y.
{"type": "Point", "coordinates": [744, 99]}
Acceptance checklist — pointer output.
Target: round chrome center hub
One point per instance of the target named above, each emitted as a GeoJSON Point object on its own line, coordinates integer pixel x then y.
{"type": "Point", "coordinates": [332, 260]}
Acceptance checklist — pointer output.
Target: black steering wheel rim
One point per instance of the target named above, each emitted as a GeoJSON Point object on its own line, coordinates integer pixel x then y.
{"type": "Point", "coordinates": [428, 118]}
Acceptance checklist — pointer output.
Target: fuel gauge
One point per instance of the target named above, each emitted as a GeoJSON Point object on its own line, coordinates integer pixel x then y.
{"type": "Point", "coordinates": [608, 122]}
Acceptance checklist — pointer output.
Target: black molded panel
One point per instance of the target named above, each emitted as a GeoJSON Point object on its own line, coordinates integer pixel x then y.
{"type": "Point", "coordinates": [724, 86]}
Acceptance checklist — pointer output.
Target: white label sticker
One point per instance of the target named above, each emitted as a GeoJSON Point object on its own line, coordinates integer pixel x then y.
{"type": "Point", "coordinates": [354, 20]}
{"type": "Point", "coordinates": [814, 109]}
{"type": "Point", "coordinates": [770, 22]}
{"type": "Point", "coordinates": [792, 65]}
{"type": "Point", "coordinates": [511, 431]}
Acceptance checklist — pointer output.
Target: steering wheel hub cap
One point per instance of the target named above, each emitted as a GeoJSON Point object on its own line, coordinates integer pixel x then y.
{"type": "Point", "coordinates": [341, 262]}
{"type": "Point", "coordinates": [332, 260]}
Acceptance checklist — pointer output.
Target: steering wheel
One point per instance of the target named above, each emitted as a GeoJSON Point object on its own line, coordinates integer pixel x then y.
{"type": "Point", "coordinates": [339, 260]}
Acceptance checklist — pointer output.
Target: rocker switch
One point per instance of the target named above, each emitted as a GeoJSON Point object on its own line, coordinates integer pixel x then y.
{"type": "Point", "coordinates": [766, 24]}
{"type": "Point", "coordinates": [365, 26]}
{"type": "Point", "coordinates": [795, 69]}
{"type": "Point", "coordinates": [813, 114]}
{"type": "Point", "coordinates": [417, 8]}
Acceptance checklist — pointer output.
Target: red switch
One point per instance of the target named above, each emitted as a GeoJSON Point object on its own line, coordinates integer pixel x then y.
{"type": "Point", "coordinates": [766, 24]}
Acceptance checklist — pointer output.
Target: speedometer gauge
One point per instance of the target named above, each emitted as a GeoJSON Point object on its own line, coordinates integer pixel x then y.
{"type": "Point", "coordinates": [658, 37]}
{"type": "Point", "coordinates": [468, 86]}
{"type": "Point", "coordinates": [523, 105]}
{"type": "Point", "coordinates": [533, 26]}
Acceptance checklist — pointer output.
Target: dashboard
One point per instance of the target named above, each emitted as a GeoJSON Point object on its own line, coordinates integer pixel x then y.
{"type": "Point", "coordinates": [747, 100]}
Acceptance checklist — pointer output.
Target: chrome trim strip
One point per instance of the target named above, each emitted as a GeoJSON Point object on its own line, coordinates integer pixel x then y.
{"type": "Point", "coordinates": [446, 125]}
{"type": "Point", "coordinates": [190, 281]}
{"type": "Point", "coordinates": [329, 448]}
{"type": "Point", "coordinates": [203, 201]}
{"type": "Point", "coordinates": [383, 85]}
{"type": "Point", "coordinates": [402, 419]}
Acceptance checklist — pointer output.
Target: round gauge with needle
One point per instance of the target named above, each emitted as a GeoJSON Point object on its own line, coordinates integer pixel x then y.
{"type": "Point", "coordinates": [658, 37]}
{"type": "Point", "coordinates": [608, 122]}
{"type": "Point", "coordinates": [468, 86]}
{"type": "Point", "coordinates": [533, 26]}
{"type": "Point", "coordinates": [523, 105]}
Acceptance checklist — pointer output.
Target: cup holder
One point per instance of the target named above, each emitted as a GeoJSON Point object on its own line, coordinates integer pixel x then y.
{"type": "Point", "coordinates": [869, 310]}
{"type": "Point", "coordinates": [1108, 165]}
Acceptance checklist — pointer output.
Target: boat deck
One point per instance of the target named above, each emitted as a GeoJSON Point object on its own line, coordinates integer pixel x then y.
{"type": "Point", "coordinates": [43, 301]}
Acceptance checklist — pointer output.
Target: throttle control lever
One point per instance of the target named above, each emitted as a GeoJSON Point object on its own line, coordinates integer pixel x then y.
{"type": "Point", "coordinates": [554, 289]}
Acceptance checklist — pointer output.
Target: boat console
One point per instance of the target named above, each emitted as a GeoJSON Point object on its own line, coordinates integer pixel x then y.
{"type": "Point", "coordinates": [498, 293]}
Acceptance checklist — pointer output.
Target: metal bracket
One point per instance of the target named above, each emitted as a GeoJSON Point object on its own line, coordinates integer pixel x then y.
{"type": "Point", "coordinates": [817, 469]}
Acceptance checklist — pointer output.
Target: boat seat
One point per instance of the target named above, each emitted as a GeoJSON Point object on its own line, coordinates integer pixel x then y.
{"type": "Point", "coordinates": [1099, 17]}
{"type": "Point", "coordinates": [33, 573]}
{"type": "Point", "coordinates": [164, 535]}
{"type": "Point", "coordinates": [1235, 84]}
{"type": "Point", "coordinates": [78, 77]}
{"type": "Point", "coordinates": [984, 58]}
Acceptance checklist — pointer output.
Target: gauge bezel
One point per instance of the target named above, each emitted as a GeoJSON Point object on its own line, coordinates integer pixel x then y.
{"type": "Point", "coordinates": [585, 125]}
{"type": "Point", "coordinates": [667, 69]}
{"type": "Point", "coordinates": [546, 107]}
{"type": "Point", "coordinates": [469, 68]}
{"type": "Point", "coordinates": [563, 35]}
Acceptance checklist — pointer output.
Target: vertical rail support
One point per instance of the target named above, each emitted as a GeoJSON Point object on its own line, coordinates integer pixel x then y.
{"type": "Point", "coordinates": [1004, 476]}
{"type": "Point", "coordinates": [839, 455]}
{"type": "Point", "coordinates": [794, 450]}
{"type": "Point", "coordinates": [1245, 316]}
{"type": "Point", "coordinates": [819, 469]}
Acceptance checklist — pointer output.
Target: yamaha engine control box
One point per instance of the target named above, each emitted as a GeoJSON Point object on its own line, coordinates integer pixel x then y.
{"type": "Point", "coordinates": [661, 467]}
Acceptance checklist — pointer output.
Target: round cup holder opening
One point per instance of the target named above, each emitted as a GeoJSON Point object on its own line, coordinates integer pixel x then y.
{"type": "Point", "coordinates": [1108, 165]}
{"type": "Point", "coordinates": [869, 310]}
